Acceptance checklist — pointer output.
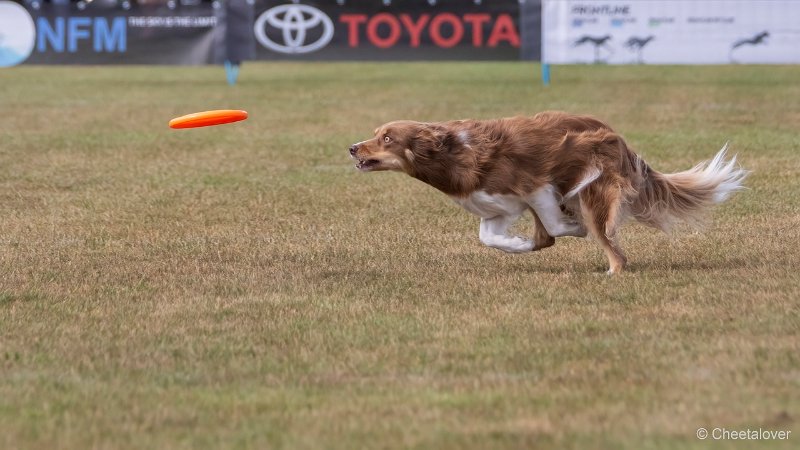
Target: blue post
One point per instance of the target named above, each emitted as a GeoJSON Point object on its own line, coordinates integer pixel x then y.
{"type": "Point", "coordinates": [546, 74]}
{"type": "Point", "coordinates": [231, 72]}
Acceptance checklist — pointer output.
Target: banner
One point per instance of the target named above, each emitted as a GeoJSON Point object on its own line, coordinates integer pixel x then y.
{"type": "Point", "coordinates": [238, 30]}
{"type": "Point", "coordinates": [235, 41]}
{"type": "Point", "coordinates": [56, 34]}
{"type": "Point", "coordinates": [671, 32]}
{"type": "Point", "coordinates": [395, 30]}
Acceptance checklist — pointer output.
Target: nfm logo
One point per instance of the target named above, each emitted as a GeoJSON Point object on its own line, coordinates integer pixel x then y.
{"type": "Point", "coordinates": [19, 36]}
{"type": "Point", "coordinates": [63, 34]}
{"type": "Point", "coordinates": [303, 29]}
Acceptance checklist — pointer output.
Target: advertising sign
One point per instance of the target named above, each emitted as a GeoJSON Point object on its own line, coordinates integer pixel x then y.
{"type": "Point", "coordinates": [260, 29]}
{"type": "Point", "coordinates": [397, 30]}
{"type": "Point", "coordinates": [670, 32]}
{"type": "Point", "coordinates": [54, 34]}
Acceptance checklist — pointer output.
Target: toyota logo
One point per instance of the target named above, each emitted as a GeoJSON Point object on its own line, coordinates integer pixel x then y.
{"type": "Point", "coordinates": [296, 23]}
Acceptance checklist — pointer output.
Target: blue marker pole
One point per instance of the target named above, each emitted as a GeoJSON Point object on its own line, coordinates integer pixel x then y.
{"type": "Point", "coordinates": [546, 74]}
{"type": "Point", "coordinates": [231, 72]}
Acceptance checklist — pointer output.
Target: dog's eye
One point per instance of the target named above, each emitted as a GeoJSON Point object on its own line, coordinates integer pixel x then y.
{"type": "Point", "coordinates": [387, 139]}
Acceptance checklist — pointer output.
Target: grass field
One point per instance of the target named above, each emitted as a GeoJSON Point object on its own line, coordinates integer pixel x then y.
{"type": "Point", "coordinates": [245, 287]}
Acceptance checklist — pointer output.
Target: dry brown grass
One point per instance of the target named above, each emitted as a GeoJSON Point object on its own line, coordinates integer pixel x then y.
{"type": "Point", "coordinates": [243, 286]}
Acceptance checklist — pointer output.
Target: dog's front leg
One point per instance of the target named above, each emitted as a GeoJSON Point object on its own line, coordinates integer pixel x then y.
{"type": "Point", "coordinates": [493, 234]}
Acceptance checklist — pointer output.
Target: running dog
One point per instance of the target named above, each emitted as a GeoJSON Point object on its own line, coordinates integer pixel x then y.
{"type": "Point", "coordinates": [574, 172]}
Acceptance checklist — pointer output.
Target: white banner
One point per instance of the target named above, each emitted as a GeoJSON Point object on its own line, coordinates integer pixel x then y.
{"type": "Point", "coordinates": [671, 32]}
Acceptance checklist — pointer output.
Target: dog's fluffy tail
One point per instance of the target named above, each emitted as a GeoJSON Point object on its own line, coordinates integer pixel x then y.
{"type": "Point", "coordinates": [666, 199]}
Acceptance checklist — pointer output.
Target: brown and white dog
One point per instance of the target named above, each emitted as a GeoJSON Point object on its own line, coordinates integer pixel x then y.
{"type": "Point", "coordinates": [573, 172]}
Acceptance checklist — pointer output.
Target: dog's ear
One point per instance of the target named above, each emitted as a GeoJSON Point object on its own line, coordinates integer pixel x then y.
{"type": "Point", "coordinates": [431, 139]}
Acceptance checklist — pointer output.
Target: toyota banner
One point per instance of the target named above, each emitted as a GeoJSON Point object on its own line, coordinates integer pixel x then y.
{"type": "Point", "coordinates": [398, 30]}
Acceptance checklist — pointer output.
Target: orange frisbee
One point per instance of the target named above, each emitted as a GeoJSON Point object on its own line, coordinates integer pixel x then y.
{"type": "Point", "coordinates": [208, 118]}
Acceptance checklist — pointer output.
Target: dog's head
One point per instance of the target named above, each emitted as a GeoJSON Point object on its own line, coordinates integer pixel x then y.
{"type": "Point", "coordinates": [435, 153]}
{"type": "Point", "coordinates": [400, 146]}
{"type": "Point", "coordinates": [389, 149]}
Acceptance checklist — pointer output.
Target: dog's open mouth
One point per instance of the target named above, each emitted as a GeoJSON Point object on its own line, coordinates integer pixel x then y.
{"type": "Point", "coordinates": [367, 164]}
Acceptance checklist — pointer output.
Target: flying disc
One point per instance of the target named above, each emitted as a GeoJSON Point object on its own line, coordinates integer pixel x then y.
{"type": "Point", "coordinates": [208, 118]}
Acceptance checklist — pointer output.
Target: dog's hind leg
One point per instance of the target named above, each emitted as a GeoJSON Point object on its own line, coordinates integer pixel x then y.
{"type": "Point", "coordinates": [493, 234]}
{"type": "Point", "coordinates": [601, 209]}
{"type": "Point", "coordinates": [547, 208]}
{"type": "Point", "coordinates": [541, 239]}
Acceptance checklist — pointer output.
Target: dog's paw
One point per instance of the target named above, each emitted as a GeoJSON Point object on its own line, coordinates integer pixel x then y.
{"type": "Point", "coordinates": [543, 242]}
{"type": "Point", "coordinates": [519, 245]}
{"type": "Point", "coordinates": [514, 244]}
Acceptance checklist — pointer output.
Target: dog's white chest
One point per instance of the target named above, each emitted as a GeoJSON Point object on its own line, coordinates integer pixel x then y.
{"type": "Point", "coordinates": [487, 205]}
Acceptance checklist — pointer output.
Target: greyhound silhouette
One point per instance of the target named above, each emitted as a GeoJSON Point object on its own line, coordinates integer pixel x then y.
{"type": "Point", "coordinates": [760, 38]}
{"type": "Point", "coordinates": [637, 44]}
{"type": "Point", "coordinates": [755, 40]}
{"type": "Point", "coordinates": [598, 42]}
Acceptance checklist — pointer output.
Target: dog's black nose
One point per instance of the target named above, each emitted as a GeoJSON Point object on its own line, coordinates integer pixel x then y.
{"type": "Point", "coordinates": [353, 149]}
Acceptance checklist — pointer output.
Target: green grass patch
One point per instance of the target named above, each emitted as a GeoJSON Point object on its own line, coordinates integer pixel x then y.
{"type": "Point", "coordinates": [243, 286]}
